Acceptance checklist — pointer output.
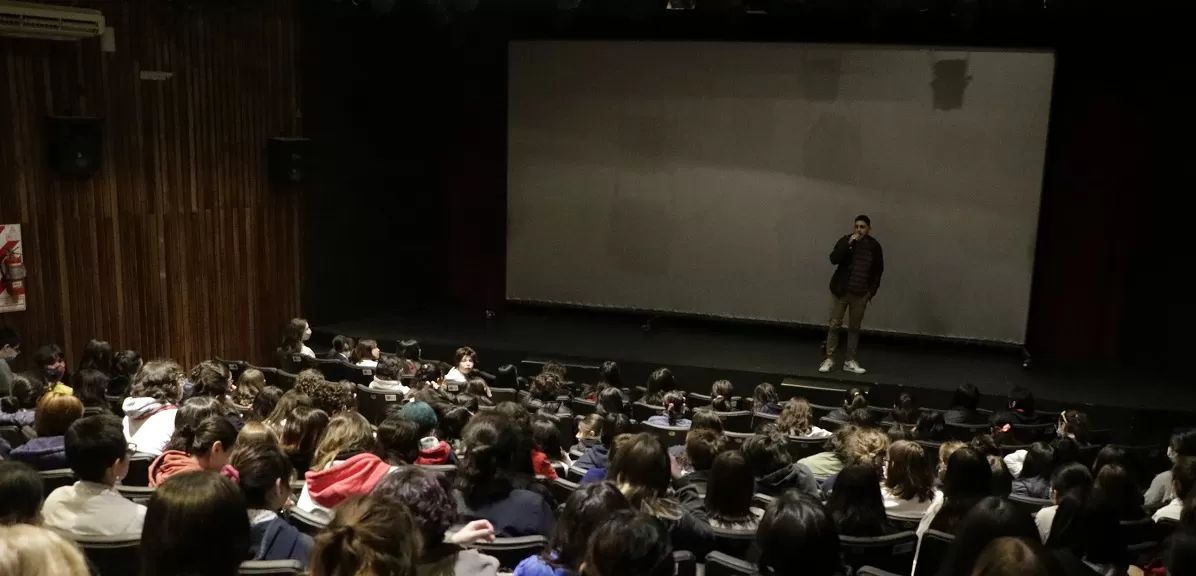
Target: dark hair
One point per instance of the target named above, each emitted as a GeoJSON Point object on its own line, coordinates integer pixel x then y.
{"type": "Point", "coordinates": [456, 418]}
{"type": "Point", "coordinates": [409, 349]}
{"type": "Point", "coordinates": [363, 350]}
{"type": "Point", "coordinates": [127, 363]}
{"type": "Point", "coordinates": [909, 475]}
{"type": "Point", "coordinates": [290, 400]}
{"type": "Point", "coordinates": [342, 344]}
{"type": "Point", "coordinates": [642, 468]}
{"type": "Point", "coordinates": [161, 380]}
{"type": "Point", "coordinates": [610, 401]}
{"type": "Point", "coordinates": [1001, 477]}
{"type": "Point", "coordinates": [1109, 454]}
{"type": "Point", "coordinates": [585, 510]}
{"type": "Point", "coordinates": [1039, 462]}
{"type": "Point", "coordinates": [292, 336]}
{"type": "Point", "coordinates": [629, 544]}
{"type": "Point", "coordinates": [507, 376]}
{"type": "Point", "coordinates": [1022, 399]}
{"type": "Point", "coordinates": [1076, 424]}
{"type": "Point", "coordinates": [905, 410]}
{"type": "Point", "coordinates": [334, 397]}
{"type": "Point", "coordinates": [609, 375]}
{"type": "Point", "coordinates": [212, 379]}
{"type": "Point", "coordinates": [930, 426]}
{"type": "Point", "coordinates": [89, 386]}
{"type": "Point", "coordinates": [989, 519]}
{"type": "Point", "coordinates": [720, 395]}
{"type": "Point", "coordinates": [20, 396]}
{"type": "Point", "coordinates": [249, 383]}
{"type": "Point", "coordinates": [967, 480]}
{"type": "Point", "coordinates": [260, 467]}
{"type": "Point", "coordinates": [370, 534]}
{"type": "Point", "coordinates": [46, 355]}
{"type": "Point", "coordinates": [195, 523]}
{"type": "Point", "coordinates": [863, 218]}
{"type": "Point", "coordinates": [93, 444]}
{"type": "Point", "coordinates": [986, 445]}
{"type": "Point", "coordinates": [613, 425]}
{"type": "Point", "coordinates": [389, 368]}
{"type": "Point", "coordinates": [301, 435]}
{"type": "Point", "coordinates": [545, 387]}
{"type": "Point", "coordinates": [702, 446]}
{"type": "Point", "coordinates": [1066, 451]}
{"type": "Point", "coordinates": [797, 536]}
{"type": "Point", "coordinates": [21, 493]}
{"type": "Point", "coordinates": [767, 453]}
{"type": "Point", "coordinates": [862, 418]}
{"type": "Point", "coordinates": [1184, 443]}
{"type": "Point", "coordinates": [427, 495]}
{"type": "Point", "coordinates": [855, 503]}
{"type": "Point", "coordinates": [1086, 526]}
{"type": "Point", "coordinates": [462, 353]}
{"type": "Point", "coordinates": [1180, 555]}
{"type": "Point", "coordinates": [674, 406]}
{"type": "Point", "coordinates": [426, 372]}
{"type": "Point", "coordinates": [762, 396]}
{"type": "Point", "coordinates": [189, 415]}
{"type": "Point", "coordinates": [200, 439]}
{"type": "Point", "coordinates": [547, 437]}
{"type": "Point", "coordinates": [1115, 488]}
{"type": "Point", "coordinates": [490, 442]}
{"type": "Point", "coordinates": [264, 402]}
{"type": "Point", "coordinates": [796, 418]}
{"type": "Point", "coordinates": [97, 355]}
{"type": "Point", "coordinates": [399, 438]}
{"type": "Point", "coordinates": [854, 399]}
{"type": "Point", "coordinates": [55, 413]}
{"type": "Point", "coordinates": [729, 487]}
{"type": "Point", "coordinates": [1183, 474]}
{"type": "Point", "coordinates": [659, 381]}
{"type": "Point", "coordinates": [967, 396]}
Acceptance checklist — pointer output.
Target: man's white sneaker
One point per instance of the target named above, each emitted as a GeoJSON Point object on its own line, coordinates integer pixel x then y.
{"type": "Point", "coordinates": [826, 366]}
{"type": "Point", "coordinates": [853, 367]}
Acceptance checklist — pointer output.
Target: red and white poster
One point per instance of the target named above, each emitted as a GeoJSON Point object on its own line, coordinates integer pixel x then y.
{"type": "Point", "coordinates": [12, 269]}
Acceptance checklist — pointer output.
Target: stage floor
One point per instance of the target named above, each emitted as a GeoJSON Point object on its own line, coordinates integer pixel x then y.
{"type": "Point", "coordinates": [708, 349]}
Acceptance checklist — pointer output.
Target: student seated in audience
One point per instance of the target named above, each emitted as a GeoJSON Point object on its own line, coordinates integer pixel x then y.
{"type": "Point", "coordinates": [611, 401]}
{"type": "Point", "coordinates": [398, 440]}
{"type": "Point", "coordinates": [294, 336]}
{"type": "Point", "coordinates": [543, 394]}
{"type": "Point", "coordinates": [98, 454]}
{"type": "Point", "coordinates": [432, 450]}
{"type": "Point", "coordinates": [775, 471]}
{"type": "Point", "coordinates": [598, 455]}
{"type": "Point", "coordinates": [729, 490]}
{"type": "Point", "coordinates": [643, 473]}
{"type": "Point", "coordinates": [673, 414]}
{"type": "Point", "coordinates": [826, 464]}
{"type": "Point", "coordinates": [288, 402]}
{"type": "Point", "coordinates": [660, 382]}
{"type": "Point", "coordinates": [195, 523]}
{"type": "Point", "coordinates": [479, 391]}
{"type": "Point", "coordinates": [263, 473]}
{"type": "Point", "coordinates": [1020, 408]}
{"type": "Point", "coordinates": [370, 535]}
{"type": "Point", "coordinates": [150, 408]}
{"type": "Point", "coordinates": [34, 551]}
{"type": "Point", "coordinates": [202, 446]}
{"type": "Point", "coordinates": [387, 374]}
{"type": "Point", "coordinates": [964, 405]}
{"type": "Point", "coordinates": [257, 433]}
{"type": "Point", "coordinates": [1109, 454]}
{"type": "Point", "coordinates": [765, 401]}
{"type": "Point", "coordinates": [1002, 479]}
{"type": "Point", "coordinates": [249, 383]}
{"type": "Point", "coordinates": [966, 481]}
{"type": "Point", "coordinates": [49, 367]}
{"type": "Point", "coordinates": [855, 504]}
{"type": "Point", "coordinates": [346, 463]}
{"type": "Point", "coordinates": [991, 518]}
{"type": "Point", "coordinates": [587, 508]}
{"type": "Point", "coordinates": [853, 399]}
{"type": "Point", "coordinates": [263, 403]}
{"type": "Point", "coordinates": [1072, 482]}
{"type": "Point", "coordinates": [547, 453]}
{"type": "Point", "coordinates": [89, 387]}
{"type": "Point", "coordinates": [334, 397]}
{"type": "Point", "coordinates": [864, 446]}
{"type": "Point", "coordinates": [20, 494]}
{"type": "Point", "coordinates": [609, 376]}
{"type": "Point", "coordinates": [929, 427]}
{"type": "Point", "coordinates": [1183, 480]}
{"type": "Point", "coordinates": [427, 375]}
{"type": "Point", "coordinates": [54, 414]}
{"type": "Point", "coordinates": [411, 354]}
{"type": "Point", "coordinates": [213, 380]}
{"type": "Point", "coordinates": [464, 360]}
{"type": "Point", "coordinates": [720, 396]}
{"type": "Point", "coordinates": [1074, 425]}
{"type": "Point", "coordinates": [1087, 528]}
{"type": "Point", "coordinates": [126, 364]}
{"type": "Point", "coordinates": [365, 353]}
{"type": "Point", "coordinates": [1115, 487]}
{"type": "Point", "coordinates": [487, 491]}
{"type": "Point", "coordinates": [945, 451]}
{"type": "Point", "coordinates": [701, 448]}
{"type": "Point", "coordinates": [905, 411]}
{"type": "Point", "coordinates": [428, 496]}
{"type": "Point", "coordinates": [908, 488]}
{"type": "Point", "coordinates": [1161, 491]}
{"type": "Point", "coordinates": [589, 433]}
{"type": "Point", "coordinates": [342, 346]}
{"type": "Point", "coordinates": [600, 474]}
{"type": "Point", "coordinates": [798, 536]}
{"type": "Point", "coordinates": [301, 436]}
{"type": "Point", "coordinates": [629, 544]}
{"type": "Point", "coordinates": [797, 419]}
{"type": "Point", "coordinates": [1034, 481]}
{"type": "Point", "coordinates": [17, 408]}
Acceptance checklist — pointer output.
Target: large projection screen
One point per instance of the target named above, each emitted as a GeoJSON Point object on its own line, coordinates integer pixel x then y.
{"type": "Point", "coordinates": [714, 179]}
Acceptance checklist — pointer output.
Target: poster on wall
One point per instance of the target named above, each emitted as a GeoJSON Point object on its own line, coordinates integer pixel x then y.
{"type": "Point", "coordinates": [12, 269]}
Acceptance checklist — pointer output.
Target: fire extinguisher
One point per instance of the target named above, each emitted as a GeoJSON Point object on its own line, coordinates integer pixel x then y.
{"type": "Point", "coordinates": [14, 273]}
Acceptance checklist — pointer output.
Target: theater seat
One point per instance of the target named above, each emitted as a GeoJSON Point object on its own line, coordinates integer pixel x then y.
{"type": "Point", "coordinates": [138, 494]}
{"type": "Point", "coordinates": [719, 564]}
{"type": "Point", "coordinates": [52, 479]}
{"type": "Point", "coordinates": [270, 568]}
{"type": "Point", "coordinates": [332, 369]}
{"type": "Point", "coordinates": [12, 435]}
{"type": "Point", "coordinates": [562, 489]}
{"type": "Point", "coordinates": [933, 552]}
{"type": "Point", "coordinates": [803, 447]}
{"type": "Point", "coordinates": [641, 412]}
{"type": "Point", "coordinates": [359, 374]}
{"type": "Point", "coordinates": [894, 552]}
{"type": "Point", "coordinates": [305, 522]}
{"type": "Point", "coordinates": [684, 563]}
{"type": "Point", "coordinates": [870, 571]}
{"type": "Point", "coordinates": [138, 469]}
{"type": "Point", "coordinates": [965, 432]}
{"type": "Point", "coordinates": [1028, 505]}
{"type": "Point", "coordinates": [511, 551]}
{"type": "Point", "coordinates": [372, 403]}
{"type": "Point", "coordinates": [737, 543]}
{"type": "Point", "coordinates": [110, 554]}
{"type": "Point", "coordinates": [668, 435]}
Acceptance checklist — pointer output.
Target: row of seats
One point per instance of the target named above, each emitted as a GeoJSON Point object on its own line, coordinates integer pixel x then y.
{"type": "Point", "coordinates": [122, 555]}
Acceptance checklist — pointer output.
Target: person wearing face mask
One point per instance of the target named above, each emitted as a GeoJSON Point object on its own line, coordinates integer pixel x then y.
{"type": "Point", "coordinates": [1161, 490]}
{"type": "Point", "coordinates": [50, 367]}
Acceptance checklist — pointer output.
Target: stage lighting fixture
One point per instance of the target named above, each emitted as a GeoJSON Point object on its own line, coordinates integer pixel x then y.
{"type": "Point", "coordinates": [950, 81]}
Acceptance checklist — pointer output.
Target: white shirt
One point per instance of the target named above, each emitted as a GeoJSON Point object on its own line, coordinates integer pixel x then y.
{"type": "Point", "coordinates": [1014, 461]}
{"type": "Point", "coordinates": [1043, 519]}
{"type": "Point", "coordinates": [91, 509]}
{"type": "Point", "coordinates": [912, 508]}
{"type": "Point", "coordinates": [456, 376]}
{"type": "Point", "coordinates": [367, 363]}
{"type": "Point", "coordinates": [152, 432]}
{"type": "Point", "coordinates": [931, 511]}
{"type": "Point", "coordinates": [388, 385]}
{"type": "Point", "coordinates": [306, 351]}
{"type": "Point", "coordinates": [1172, 510]}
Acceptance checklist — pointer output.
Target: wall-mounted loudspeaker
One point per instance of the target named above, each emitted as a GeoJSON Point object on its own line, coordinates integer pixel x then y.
{"type": "Point", "coordinates": [289, 160]}
{"type": "Point", "coordinates": [75, 145]}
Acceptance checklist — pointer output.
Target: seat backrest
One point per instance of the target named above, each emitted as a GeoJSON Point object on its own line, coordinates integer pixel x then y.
{"type": "Point", "coordinates": [235, 367]}
{"type": "Point", "coordinates": [760, 419]}
{"type": "Point", "coordinates": [139, 465]}
{"type": "Point", "coordinates": [933, 552]}
{"type": "Point", "coordinates": [306, 522]}
{"type": "Point", "coordinates": [110, 554]}
{"type": "Point", "coordinates": [500, 395]}
{"type": "Point", "coordinates": [965, 432]}
{"type": "Point", "coordinates": [562, 489]}
{"type": "Point", "coordinates": [684, 563]}
{"type": "Point", "coordinates": [332, 369]}
{"type": "Point", "coordinates": [372, 403]}
{"type": "Point", "coordinates": [362, 375]}
{"type": "Point", "coordinates": [735, 542]}
{"type": "Point", "coordinates": [511, 551]}
{"type": "Point", "coordinates": [52, 479]}
{"type": "Point", "coordinates": [893, 552]}
{"type": "Point", "coordinates": [668, 435]}
{"type": "Point", "coordinates": [870, 571]}
{"type": "Point", "coordinates": [803, 447]}
{"type": "Point", "coordinates": [12, 435]}
{"type": "Point", "coordinates": [1137, 531]}
{"type": "Point", "coordinates": [737, 421]}
{"type": "Point", "coordinates": [270, 568]}
{"type": "Point", "coordinates": [641, 411]}
{"type": "Point", "coordinates": [565, 425]}
{"type": "Point", "coordinates": [1029, 505]}
{"type": "Point", "coordinates": [291, 363]}
{"type": "Point", "coordinates": [738, 438]}
{"type": "Point", "coordinates": [719, 564]}
{"type": "Point", "coordinates": [138, 494]}
{"type": "Point", "coordinates": [583, 407]}
{"type": "Point", "coordinates": [1030, 433]}
{"type": "Point", "coordinates": [284, 379]}
{"type": "Point", "coordinates": [575, 474]}
{"type": "Point", "coordinates": [830, 424]}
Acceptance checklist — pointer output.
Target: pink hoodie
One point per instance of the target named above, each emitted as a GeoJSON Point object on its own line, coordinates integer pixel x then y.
{"type": "Point", "coordinates": [354, 476]}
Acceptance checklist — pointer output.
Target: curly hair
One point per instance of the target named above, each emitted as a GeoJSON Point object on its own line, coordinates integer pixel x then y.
{"type": "Point", "coordinates": [546, 386]}
{"type": "Point", "coordinates": [868, 446]}
{"type": "Point", "coordinates": [427, 495]}
{"type": "Point", "coordinates": [334, 397]}
{"type": "Point", "coordinates": [795, 417]}
{"type": "Point", "coordinates": [161, 380]}
{"type": "Point", "coordinates": [308, 380]}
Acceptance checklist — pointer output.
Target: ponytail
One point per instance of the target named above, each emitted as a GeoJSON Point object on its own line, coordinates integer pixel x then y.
{"type": "Point", "coordinates": [674, 408]}
{"type": "Point", "coordinates": [369, 534]}
{"type": "Point", "coordinates": [256, 468]}
{"type": "Point", "coordinates": [198, 439]}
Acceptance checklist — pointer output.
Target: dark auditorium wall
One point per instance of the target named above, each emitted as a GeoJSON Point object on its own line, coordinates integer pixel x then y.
{"type": "Point", "coordinates": [178, 246]}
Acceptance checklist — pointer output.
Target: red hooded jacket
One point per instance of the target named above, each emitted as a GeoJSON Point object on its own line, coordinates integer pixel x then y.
{"type": "Point", "coordinates": [354, 476]}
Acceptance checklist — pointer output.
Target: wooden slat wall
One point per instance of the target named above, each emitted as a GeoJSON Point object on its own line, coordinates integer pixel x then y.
{"type": "Point", "coordinates": [179, 247]}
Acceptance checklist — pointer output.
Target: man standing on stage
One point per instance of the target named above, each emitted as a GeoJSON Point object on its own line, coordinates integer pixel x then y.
{"type": "Point", "coordinates": [860, 263]}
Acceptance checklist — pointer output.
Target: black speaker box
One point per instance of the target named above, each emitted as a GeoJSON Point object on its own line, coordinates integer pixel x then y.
{"type": "Point", "coordinates": [289, 160]}
{"type": "Point", "coordinates": [75, 145]}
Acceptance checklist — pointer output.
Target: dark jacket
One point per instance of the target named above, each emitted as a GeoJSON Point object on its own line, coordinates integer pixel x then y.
{"type": "Point", "coordinates": [596, 457]}
{"type": "Point", "coordinates": [47, 453]}
{"type": "Point", "coordinates": [841, 257]}
{"type": "Point", "coordinates": [277, 540]}
{"type": "Point", "coordinates": [781, 480]}
{"type": "Point", "coordinates": [692, 530]}
{"type": "Point", "coordinates": [521, 513]}
{"type": "Point", "coordinates": [960, 415]}
{"type": "Point", "coordinates": [698, 479]}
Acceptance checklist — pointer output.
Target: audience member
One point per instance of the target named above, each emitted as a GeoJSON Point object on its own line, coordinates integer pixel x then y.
{"type": "Point", "coordinates": [370, 535]}
{"type": "Point", "coordinates": [427, 375]}
{"type": "Point", "coordinates": [729, 490]}
{"type": "Point", "coordinates": [964, 405]}
{"type": "Point", "coordinates": [150, 408]}
{"type": "Point", "coordinates": [54, 414]}
{"type": "Point", "coordinates": [365, 353]}
{"type": "Point", "coordinates": [213, 380]}
{"type": "Point", "coordinates": [629, 544]}
{"type": "Point", "coordinates": [855, 505]}
{"type": "Point", "coordinates": [432, 450]}
{"type": "Point", "coordinates": [720, 396]}
{"type": "Point", "coordinates": [991, 518]}
{"type": "Point", "coordinates": [945, 451]}
{"type": "Point", "coordinates": [1020, 408]}
{"type": "Point", "coordinates": [589, 433]}
{"type": "Point", "coordinates": [202, 446]}
{"type": "Point", "coordinates": [464, 360]}
{"type": "Point", "coordinates": [600, 474]}
{"type": "Point", "coordinates": [609, 376]}
{"type": "Point", "coordinates": [479, 391]}
{"type": "Point", "coordinates": [659, 382]}
{"type": "Point", "coordinates": [768, 456]}
{"type": "Point", "coordinates": [97, 355]}
{"type": "Point", "coordinates": [127, 364]}
{"type": "Point", "coordinates": [195, 523]}
{"type": "Point", "coordinates": [17, 408]}
{"type": "Point", "coordinates": [673, 412]}
{"type": "Point", "coordinates": [905, 410]}
{"type": "Point", "coordinates": [864, 446]}
{"type": "Point", "coordinates": [98, 454]}
{"type": "Point", "coordinates": [334, 397]}
{"type": "Point", "coordinates": [853, 399]}
{"type": "Point", "coordinates": [1183, 480]}
{"type": "Point", "coordinates": [1179, 555]}
{"type": "Point", "coordinates": [966, 481]}
{"type": "Point", "coordinates": [301, 435]}
{"type": "Point", "coordinates": [908, 488]}
{"type": "Point", "coordinates": [1109, 454]}
{"type": "Point", "coordinates": [1034, 481]}
{"type": "Point", "coordinates": [249, 383]}
{"type": "Point", "coordinates": [342, 346]}
{"type": "Point", "coordinates": [765, 400]}
{"type": "Point", "coordinates": [544, 395]}
{"type": "Point", "coordinates": [257, 433]}
{"type": "Point", "coordinates": [547, 453]}
{"type": "Point", "coordinates": [598, 455]}
{"type": "Point", "coordinates": [398, 440]}
{"type": "Point", "coordinates": [798, 536]}
{"type": "Point", "coordinates": [49, 366]}
{"type": "Point", "coordinates": [1161, 491]}
{"type": "Point", "coordinates": [387, 375]}
{"type": "Point", "coordinates": [1114, 487]}
{"type": "Point", "coordinates": [286, 404]}
{"type": "Point", "coordinates": [89, 386]}
{"type": "Point", "coordinates": [826, 464]}
{"type": "Point", "coordinates": [263, 473]}
{"type": "Point", "coordinates": [584, 512]}
{"type": "Point", "coordinates": [611, 401]}
{"type": "Point", "coordinates": [345, 464]}
{"type": "Point", "coordinates": [32, 551]}
{"type": "Point", "coordinates": [20, 493]}
{"type": "Point", "coordinates": [1001, 478]}
{"type": "Point", "coordinates": [1015, 557]}
{"type": "Point", "coordinates": [642, 471]}
{"type": "Point", "coordinates": [701, 448]}
{"type": "Point", "coordinates": [263, 403]}
{"type": "Point", "coordinates": [1073, 424]}
{"type": "Point", "coordinates": [930, 427]}
{"type": "Point", "coordinates": [797, 419]}
{"type": "Point", "coordinates": [485, 482]}
{"type": "Point", "coordinates": [1070, 484]}
{"type": "Point", "coordinates": [294, 335]}
{"type": "Point", "coordinates": [1087, 528]}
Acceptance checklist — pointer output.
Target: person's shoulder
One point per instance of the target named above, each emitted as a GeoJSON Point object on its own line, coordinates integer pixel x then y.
{"type": "Point", "coordinates": [533, 565]}
{"type": "Point", "coordinates": [59, 495]}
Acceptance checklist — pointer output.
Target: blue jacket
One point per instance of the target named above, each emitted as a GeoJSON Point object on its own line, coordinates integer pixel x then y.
{"type": "Point", "coordinates": [536, 566]}
{"type": "Point", "coordinates": [595, 457]}
{"type": "Point", "coordinates": [520, 513]}
{"type": "Point", "coordinates": [593, 475]}
{"type": "Point", "coordinates": [277, 540]}
{"type": "Point", "coordinates": [48, 453]}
